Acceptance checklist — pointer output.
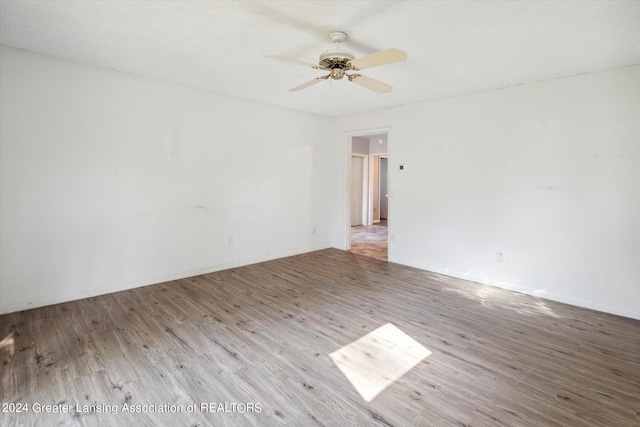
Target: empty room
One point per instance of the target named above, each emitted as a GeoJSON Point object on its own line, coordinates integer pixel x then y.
{"type": "Point", "coordinates": [322, 213]}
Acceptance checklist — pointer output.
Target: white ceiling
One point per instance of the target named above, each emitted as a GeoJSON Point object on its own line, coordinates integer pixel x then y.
{"type": "Point", "coordinates": [453, 47]}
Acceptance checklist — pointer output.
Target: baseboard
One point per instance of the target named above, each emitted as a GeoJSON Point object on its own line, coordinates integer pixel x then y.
{"type": "Point", "coordinates": [541, 293]}
{"type": "Point", "coordinates": [88, 293]}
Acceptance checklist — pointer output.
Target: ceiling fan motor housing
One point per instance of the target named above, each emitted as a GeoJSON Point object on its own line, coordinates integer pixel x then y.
{"type": "Point", "coordinates": [337, 61]}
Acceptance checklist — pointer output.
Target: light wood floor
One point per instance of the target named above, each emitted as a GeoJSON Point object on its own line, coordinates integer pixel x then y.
{"type": "Point", "coordinates": [262, 334]}
{"type": "Point", "coordinates": [370, 240]}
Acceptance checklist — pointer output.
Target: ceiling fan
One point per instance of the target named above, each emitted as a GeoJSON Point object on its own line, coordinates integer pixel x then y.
{"type": "Point", "coordinates": [338, 62]}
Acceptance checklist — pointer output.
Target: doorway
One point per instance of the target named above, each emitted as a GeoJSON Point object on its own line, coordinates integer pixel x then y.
{"type": "Point", "coordinates": [368, 195]}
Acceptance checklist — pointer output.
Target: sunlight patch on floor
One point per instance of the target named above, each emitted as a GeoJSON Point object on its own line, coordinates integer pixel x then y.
{"type": "Point", "coordinates": [8, 344]}
{"type": "Point", "coordinates": [378, 359]}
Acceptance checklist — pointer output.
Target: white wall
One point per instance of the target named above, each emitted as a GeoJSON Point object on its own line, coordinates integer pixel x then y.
{"type": "Point", "coordinates": [376, 148]}
{"type": "Point", "coordinates": [547, 172]}
{"type": "Point", "coordinates": [367, 145]}
{"type": "Point", "coordinates": [359, 145]}
{"type": "Point", "coordinates": [111, 181]}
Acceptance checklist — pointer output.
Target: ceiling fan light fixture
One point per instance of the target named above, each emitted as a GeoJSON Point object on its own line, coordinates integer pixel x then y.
{"type": "Point", "coordinates": [337, 73]}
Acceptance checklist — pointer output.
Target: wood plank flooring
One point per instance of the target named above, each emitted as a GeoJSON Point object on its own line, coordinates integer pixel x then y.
{"type": "Point", "coordinates": [370, 240]}
{"type": "Point", "coordinates": [260, 337]}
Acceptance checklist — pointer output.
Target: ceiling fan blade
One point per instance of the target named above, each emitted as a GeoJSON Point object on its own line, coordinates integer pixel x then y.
{"type": "Point", "coordinates": [369, 83]}
{"type": "Point", "coordinates": [379, 58]}
{"type": "Point", "coordinates": [309, 83]}
{"type": "Point", "coordinates": [294, 61]}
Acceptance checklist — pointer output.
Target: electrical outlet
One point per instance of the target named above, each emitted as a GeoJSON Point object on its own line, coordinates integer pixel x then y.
{"type": "Point", "coordinates": [500, 256]}
{"type": "Point", "coordinates": [313, 230]}
{"type": "Point", "coordinates": [230, 242]}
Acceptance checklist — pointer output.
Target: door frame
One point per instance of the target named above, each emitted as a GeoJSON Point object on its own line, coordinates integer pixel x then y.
{"type": "Point", "coordinates": [374, 183]}
{"type": "Point", "coordinates": [346, 215]}
{"type": "Point", "coordinates": [380, 157]}
{"type": "Point", "coordinates": [364, 200]}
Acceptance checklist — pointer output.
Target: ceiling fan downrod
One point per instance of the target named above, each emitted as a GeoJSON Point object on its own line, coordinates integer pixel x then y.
{"type": "Point", "coordinates": [336, 60]}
